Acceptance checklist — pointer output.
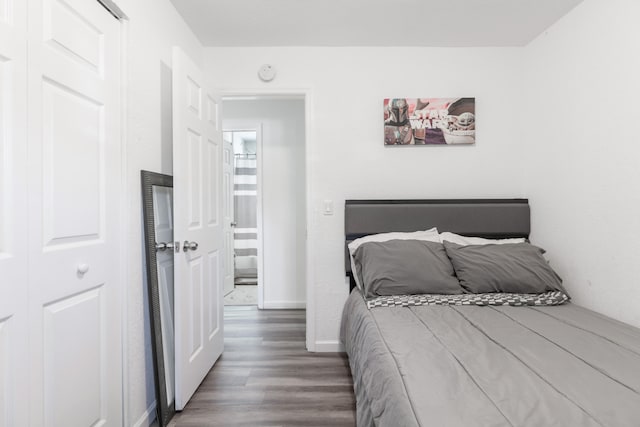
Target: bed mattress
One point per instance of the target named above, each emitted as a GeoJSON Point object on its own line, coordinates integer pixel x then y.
{"type": "Point", "coordinates": [491, 366]}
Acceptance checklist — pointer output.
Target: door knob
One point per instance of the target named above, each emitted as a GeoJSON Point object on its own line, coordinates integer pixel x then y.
{"type": "Point", "coordinates": [162, 246]}
{"type": "Point", "coordinates": [189, 246]}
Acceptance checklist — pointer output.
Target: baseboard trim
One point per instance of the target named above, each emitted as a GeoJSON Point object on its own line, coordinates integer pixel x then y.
{"type": "Point", "coordinates": [283, 305]}
{"type": "Point", "coordinates": [148, 417]}
{"type": "Point", "coordinates": [329, 347]}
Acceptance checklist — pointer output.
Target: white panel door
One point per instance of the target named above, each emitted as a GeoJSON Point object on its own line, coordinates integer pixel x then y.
{"type": "Point", "coordinates": [228, 216]}
{"type": "Point", "coordinates": [74, 214]}
{"type": "Point", "coordinates": [197, 169]}
{"type": "Point", "coordinates": [14, 377]}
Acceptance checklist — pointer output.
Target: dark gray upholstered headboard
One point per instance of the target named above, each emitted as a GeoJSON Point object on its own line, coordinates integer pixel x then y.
{"type": "Point", "coordinates": [490, 218]}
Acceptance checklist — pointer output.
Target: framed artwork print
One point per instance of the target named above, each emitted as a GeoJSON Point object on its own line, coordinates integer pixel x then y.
{"type": "Point", "coordinates": [429, 121]}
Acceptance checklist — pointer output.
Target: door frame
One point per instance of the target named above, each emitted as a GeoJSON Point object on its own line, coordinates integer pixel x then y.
{"type": "Point", "coordinates": [307, 95]}
{"type": "Point", "coordinates": [253, 126]}
{"type": "Point", "coordinates": [112, 7]}
{"type": "Point", "coordinates": [125, 253]}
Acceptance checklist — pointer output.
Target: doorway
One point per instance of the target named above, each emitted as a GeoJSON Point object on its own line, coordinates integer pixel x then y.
{"type": "Point", "coordinates": [281, 197]}
{"type": "Point", "coordinates": [282, 200]}
{"type": "Point", "coordinates": [243, 289]}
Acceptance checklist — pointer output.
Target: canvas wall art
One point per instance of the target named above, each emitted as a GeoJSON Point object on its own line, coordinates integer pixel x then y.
{"type": "Point", "coordinates": [429, 121]}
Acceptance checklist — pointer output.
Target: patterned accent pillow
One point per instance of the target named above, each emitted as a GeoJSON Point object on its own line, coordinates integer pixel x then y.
{"type": "Point", "coordinates": [547, 298]}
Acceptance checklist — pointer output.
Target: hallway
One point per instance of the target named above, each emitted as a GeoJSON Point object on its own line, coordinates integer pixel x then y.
{"type": "Point", "coordinates": [265, 377]}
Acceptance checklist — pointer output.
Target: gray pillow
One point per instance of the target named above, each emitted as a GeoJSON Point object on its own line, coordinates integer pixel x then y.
{"type": "Point", "coordinates": [399, 267]}
{"type": "Point", "coordinates": [513, 268]}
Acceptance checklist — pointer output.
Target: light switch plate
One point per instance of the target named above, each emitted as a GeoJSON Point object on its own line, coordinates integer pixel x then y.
{"type": "Point", "coordinates": [327, 207]}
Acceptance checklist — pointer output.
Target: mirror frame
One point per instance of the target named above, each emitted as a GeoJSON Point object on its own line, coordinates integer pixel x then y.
{"type": "Point", "coordinates": [164, 410]}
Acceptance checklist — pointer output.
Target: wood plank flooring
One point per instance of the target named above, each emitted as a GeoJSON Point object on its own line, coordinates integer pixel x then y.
{"type": "Point", "coordinates": [266, 377]}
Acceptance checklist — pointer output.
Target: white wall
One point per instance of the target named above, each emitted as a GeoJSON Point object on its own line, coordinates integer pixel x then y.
{"type": "Point", "coordinates": [283, 193]}
{"type": "Point", "coordinates": [581, 113]}
{"type": "Point", "coordinates": [153, 28]}
{"type": "Point", "coordinates": [345, 145]}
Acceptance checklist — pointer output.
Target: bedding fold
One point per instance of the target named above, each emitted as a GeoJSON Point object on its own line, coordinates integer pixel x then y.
{"type": "Point", "coordinates": [611, 360]}
{"type": "Point", "coordinates": [500, 374]}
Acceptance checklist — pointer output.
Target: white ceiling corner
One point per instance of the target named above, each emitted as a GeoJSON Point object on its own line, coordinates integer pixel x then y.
{"type": "Point", "coordinates": [434, 23]}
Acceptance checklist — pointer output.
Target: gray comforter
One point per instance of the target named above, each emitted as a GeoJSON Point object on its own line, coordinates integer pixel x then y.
{"type": "Point", "coordinates": [447, 366]}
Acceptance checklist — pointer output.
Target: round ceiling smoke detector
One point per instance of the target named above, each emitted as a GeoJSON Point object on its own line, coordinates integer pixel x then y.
{"type": "Point", "coordinates": [267, 73]}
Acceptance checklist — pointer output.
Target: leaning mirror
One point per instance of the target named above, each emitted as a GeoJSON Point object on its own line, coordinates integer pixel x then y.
{"type": "Point", "coordinates": [157, 198]}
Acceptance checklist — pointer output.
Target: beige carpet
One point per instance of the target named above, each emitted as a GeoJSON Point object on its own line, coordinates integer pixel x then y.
{"type": "Point", "coordinates": [242, 295]}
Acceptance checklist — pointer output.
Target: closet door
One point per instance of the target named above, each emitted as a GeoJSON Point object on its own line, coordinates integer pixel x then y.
{"type": "Point", "coordinates": [13, 221]}
{"type": "Point", "coordinates": [74, 214]}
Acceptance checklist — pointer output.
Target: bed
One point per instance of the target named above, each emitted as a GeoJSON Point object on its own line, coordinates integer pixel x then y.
{"type": "Point", "coordinates": [475, 363]}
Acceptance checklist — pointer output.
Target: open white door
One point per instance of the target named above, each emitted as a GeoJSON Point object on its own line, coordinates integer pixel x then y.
{"type": "Point", "coordinates": [197, 169]}
{"type": "Point", "coordinates": [228, 216]}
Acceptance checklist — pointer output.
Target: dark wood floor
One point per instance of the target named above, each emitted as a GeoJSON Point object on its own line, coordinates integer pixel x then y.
{"type": "Point", "coordinates": [265, 377]}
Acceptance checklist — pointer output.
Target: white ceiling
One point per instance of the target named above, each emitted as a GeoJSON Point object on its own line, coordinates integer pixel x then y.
{"type": "Point", "coordinates": [443, 23]}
